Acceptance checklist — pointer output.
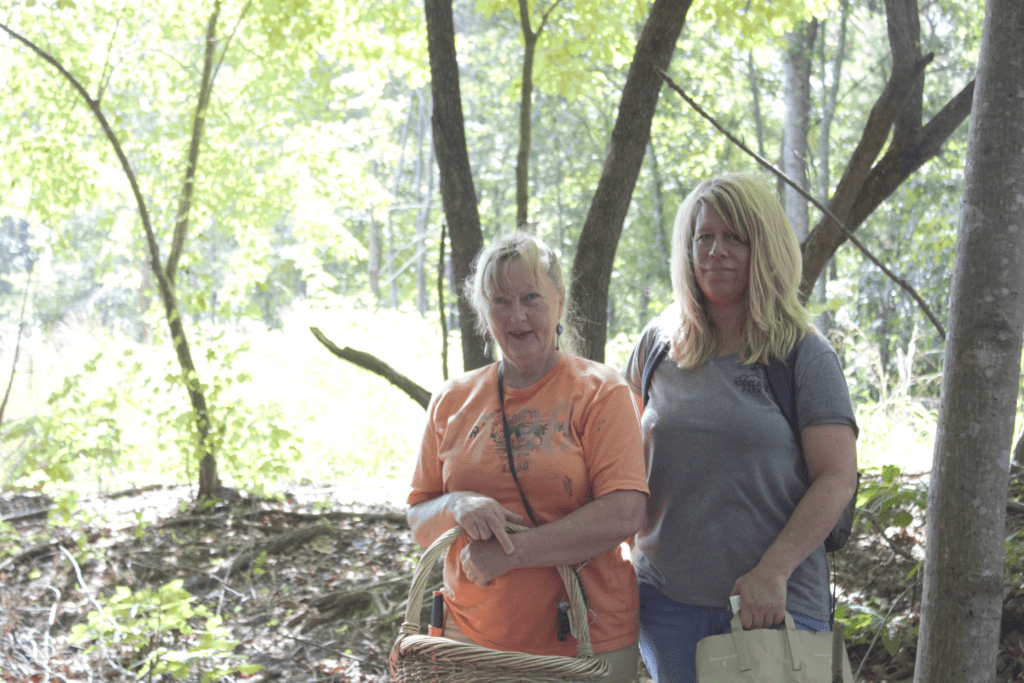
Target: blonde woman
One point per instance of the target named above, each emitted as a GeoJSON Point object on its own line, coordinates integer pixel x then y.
{"type": "Point", "coordinates": [738, 506]}
{"type": "Point", "coordinates": [569, 465]}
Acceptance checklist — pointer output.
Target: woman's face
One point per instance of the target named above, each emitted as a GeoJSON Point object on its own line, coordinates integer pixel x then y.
{"type": "Point", "coordinates": [523, 316]}
{"type": "Point", "coordinates": [721, 260]}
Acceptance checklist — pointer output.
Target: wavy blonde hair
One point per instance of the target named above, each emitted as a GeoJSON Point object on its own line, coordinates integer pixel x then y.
{"type": "Point", "coordinates": [776, 320]}
{"type": "Point", "coordinates": [489, 277]}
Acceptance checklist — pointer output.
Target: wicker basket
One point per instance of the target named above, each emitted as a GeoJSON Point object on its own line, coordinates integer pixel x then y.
{"type": "Point", "coordinates": [422, 658]}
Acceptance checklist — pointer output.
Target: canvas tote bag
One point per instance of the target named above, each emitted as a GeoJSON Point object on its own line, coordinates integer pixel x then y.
{"type": "Point", "coordinates": [767, 655]}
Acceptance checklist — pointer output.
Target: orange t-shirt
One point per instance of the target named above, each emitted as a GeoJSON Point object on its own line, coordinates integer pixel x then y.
{"type": "Point", "coordinates": [575, 437]}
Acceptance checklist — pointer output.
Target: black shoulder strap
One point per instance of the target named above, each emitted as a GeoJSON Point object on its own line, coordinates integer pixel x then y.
{"type": "Point", "coordinates": [781, 376]}
{"type": "Point", "coordinates": [655, 356]}
{"type": "Point", "coordinates": [508, 443]}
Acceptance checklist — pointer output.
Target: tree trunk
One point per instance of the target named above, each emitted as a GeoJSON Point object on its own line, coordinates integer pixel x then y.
{"type": "Point", "coordinates": [595, 254]}
{"type": "Point", "coordinates": [963, 577]}
{"type": "Point", "coordinates": [457, 191]}
{"type": "Point", "coordinates": [797, 75]}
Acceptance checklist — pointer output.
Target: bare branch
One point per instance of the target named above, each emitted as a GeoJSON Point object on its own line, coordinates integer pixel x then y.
{"type": "Point", "coordinates": [370, 362]}
{"type": "Point", "coordinates": [227, 43]}
{"type": "Point", "coordinates": [839, 224]}
{"type": "Point", "coordinates": [94, 106]}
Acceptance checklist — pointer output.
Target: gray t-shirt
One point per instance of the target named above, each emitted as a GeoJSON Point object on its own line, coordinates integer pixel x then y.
{"type": "Point", "coordinates": [725, 471]}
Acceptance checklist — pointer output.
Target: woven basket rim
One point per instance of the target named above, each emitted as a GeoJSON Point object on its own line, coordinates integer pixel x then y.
{"type": "Point", "coordinates": [412, 644]}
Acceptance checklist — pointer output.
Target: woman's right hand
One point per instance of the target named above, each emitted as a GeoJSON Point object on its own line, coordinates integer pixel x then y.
{"type": "Point", "coordinates": [482, 517]}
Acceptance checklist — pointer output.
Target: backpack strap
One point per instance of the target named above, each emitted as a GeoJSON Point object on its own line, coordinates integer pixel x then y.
{"type": "Point", "coordinates": [654, 356]}
{"type": "Point", "coordinates": [781, 376]}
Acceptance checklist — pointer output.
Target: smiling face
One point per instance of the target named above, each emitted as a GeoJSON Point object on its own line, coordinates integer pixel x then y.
{"type": "Point", "coordinates": [522, 317]}
{"type": "Point", "coordinates": [721, 260]}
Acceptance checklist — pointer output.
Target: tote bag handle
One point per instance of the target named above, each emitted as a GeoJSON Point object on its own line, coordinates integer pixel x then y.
{"type": "Point", "coordinates": [741, 638]}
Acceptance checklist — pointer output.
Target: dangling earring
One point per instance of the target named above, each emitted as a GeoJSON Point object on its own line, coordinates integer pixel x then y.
{"type": "Point", "coordinates": [487, 346]}
{"type": "Point", "coordinates": [558, 332]}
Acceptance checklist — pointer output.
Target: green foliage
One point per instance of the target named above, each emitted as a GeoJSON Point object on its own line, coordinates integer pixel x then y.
{"type": "Point", "coordinates": [162, 631]}
{"type": "Point", "coordinates": [891, 503]}
{"type": "Point", "coordinates": [867, 619]}
{"type": "Point", "coordinates": [248, 440]}
{"type": "Point", "coordinates": [9, 540]}
{"type": "Point", "coordinates": [77, 428]}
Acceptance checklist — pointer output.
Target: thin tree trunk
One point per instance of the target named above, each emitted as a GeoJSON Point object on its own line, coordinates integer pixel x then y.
{"type": "Point", "coordinates": [525, 107]}
{"type": "Point", "coordinates": [209, 481]}
{"type": "Point", "coordinates": [392, 255]}
{"type": "Point", "coordinates": [755, 96]}
{"type": "Point", "coordinates": [373, 248]}
{"type": "Point", "coordinates": [441, 309]}
{"type": "Point", "coordinates": [797, 72]}
{"type": "Point", "coordinates": [963, 576]}
{"type": "Point", "coordinates": [530, 38]}
{"type": "Point", "coordinates": [423, 213]}
{"type": "Point", "coordinates": [830, 97]}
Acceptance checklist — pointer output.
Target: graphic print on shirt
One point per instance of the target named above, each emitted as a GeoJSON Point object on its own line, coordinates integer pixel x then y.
{"type": "Point", "coordinates": [533, 433]}
{"type": "Point", "coordinates": [751, 384]}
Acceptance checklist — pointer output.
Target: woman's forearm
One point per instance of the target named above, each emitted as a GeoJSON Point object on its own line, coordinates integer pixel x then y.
{"type": "Point", "coordinates": [431, 518]}
{"type": "Point", "coordinates": [810, 523]}
{"type": "Point", "coordinates": [591, 530]}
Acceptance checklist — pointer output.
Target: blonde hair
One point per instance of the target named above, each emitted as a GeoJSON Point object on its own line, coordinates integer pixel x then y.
{"type": "Point", "coordinates": [776, 320]}
{"type": "Point", "coordinates": [489, 276]}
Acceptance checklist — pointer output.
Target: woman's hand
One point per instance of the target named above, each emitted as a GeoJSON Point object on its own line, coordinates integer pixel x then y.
{"type": "Point", "coordinates": [484, 561]}
{"type": "Point", "coordinates": [482, 518]}
{"type": "Point", "coordinates": [762, 593]}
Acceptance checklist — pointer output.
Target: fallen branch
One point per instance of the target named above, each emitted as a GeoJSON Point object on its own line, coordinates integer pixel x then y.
{"type": "Point", "coordinates": [396, 517]}
{"type": "Point", "coordinates": [370, 362]}
{"type": "Point", "coordinates": [275, 546]}
{"type": "Point", "coordinates": [838, 223]}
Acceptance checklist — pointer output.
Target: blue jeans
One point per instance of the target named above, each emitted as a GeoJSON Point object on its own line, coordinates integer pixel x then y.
{"type": "Point", "coordinates": [669, 632]}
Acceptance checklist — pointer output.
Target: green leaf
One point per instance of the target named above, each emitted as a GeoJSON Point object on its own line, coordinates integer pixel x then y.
{"type": "Point", "coordinates": [903, 519]}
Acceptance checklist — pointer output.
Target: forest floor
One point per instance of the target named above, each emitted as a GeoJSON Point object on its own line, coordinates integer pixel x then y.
{"type": "Point", "coordinates": [311, 587]}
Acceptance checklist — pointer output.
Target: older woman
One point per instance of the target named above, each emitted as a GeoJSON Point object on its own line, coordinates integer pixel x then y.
{"type": "Point", "coordinates": [543, 438]}
{"type": "Point", "coordinates": [738, 505]}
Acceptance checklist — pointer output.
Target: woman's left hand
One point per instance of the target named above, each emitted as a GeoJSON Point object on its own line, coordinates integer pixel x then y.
{"type": "Point", "coordinates": [484, 561]}
{"type": "Point", "coordinates": [762, 593]}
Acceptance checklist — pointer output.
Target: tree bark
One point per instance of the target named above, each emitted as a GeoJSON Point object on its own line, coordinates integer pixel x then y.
{"type": "Point", "coordinates": [457, 192]}
{"type": "Point", "coordinates": [963, 577]}
{"type": "Point", "coordinates": [595, 253]}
